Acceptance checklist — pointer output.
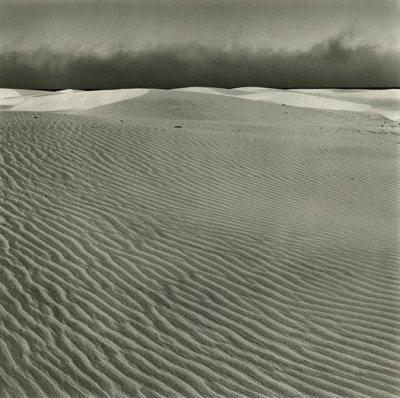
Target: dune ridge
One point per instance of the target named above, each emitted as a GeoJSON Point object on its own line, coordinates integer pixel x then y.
{"type": "Point", "coordinates": [181, 244]}
{"type": "Point", "coordinates": [382, 102]}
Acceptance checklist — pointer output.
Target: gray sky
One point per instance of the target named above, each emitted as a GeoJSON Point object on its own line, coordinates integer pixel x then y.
{"type": "Point", "coordinates": [41, 32]}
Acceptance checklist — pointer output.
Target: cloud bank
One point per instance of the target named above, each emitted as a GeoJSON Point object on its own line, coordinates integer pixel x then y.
{"type": "Point", "coordinates": [333, 63]}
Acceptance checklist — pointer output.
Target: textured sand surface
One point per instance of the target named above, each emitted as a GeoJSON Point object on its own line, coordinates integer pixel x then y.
{"type": "Point", "coordinates": [182, 244]}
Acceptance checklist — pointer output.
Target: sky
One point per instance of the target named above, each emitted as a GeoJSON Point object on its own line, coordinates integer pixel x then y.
{"type": "Point", "coordinates": [98, 44]}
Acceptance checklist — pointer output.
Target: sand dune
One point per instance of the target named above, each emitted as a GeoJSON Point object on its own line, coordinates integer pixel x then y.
{"type": "Point", "coordinates": [317, 91]}
{"type": "Point", "coordinates": [203, 90]}
{"type": "Point", "coordinates": [10, 102]}
{"type": "Point", "coordinates": [383, 102]}
{"type": "Point", "coordinates": [393, 93]}
{"type": "Point", "coordinates": [11, 93]}
{"type": "Point", "coordinates": [7, 93]}
{"type": "Point", "coordinates": [181, 244]}
{"type": "Point", "coordinates": [75, 100]}
{"type": "Point", "coordinates": [253, 89]}
{"type": "Point", "coordinates": [386, 102]}
{"type": "Point", "coordinates": [305, 100]}
{"type": "Point", "coordinates": [177, 105]}
{"type": "Point", "coordinates": [69, 90]}
{"type": "Point", "coordinates": [11, 98]}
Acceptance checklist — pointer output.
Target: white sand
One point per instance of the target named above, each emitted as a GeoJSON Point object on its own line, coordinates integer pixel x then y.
{"type": "Point", "coordinates": [252, 89]}
{"type": "Point", "coordinates": [181, 244]}
{"type": "Point", "coordinates": [202, 90]}
{"type": "Point", "coordinates": [305, 100]}
{"type": "Point", "coordinates": [69, 90]}
{"type": "Point", "coordinates": [11, 98]}
{"type": "Point", "coordinates": [383, 102]}
{"type": "Point", "coordinates": [7, 93]}
{"type": "Point", "coordinates": [315, 91]}
{"type": "Point", "coordinates": [74, 100]}
{"type": "Point", "coordinates": [393, 93]}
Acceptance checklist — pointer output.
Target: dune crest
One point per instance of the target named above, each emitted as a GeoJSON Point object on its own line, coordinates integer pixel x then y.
{"type": "Point", "coordinates": [253, 89]}
{"type": "Point", "coordinates": [203, 90]}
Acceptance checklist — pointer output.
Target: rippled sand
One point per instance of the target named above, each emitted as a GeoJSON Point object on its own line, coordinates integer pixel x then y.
{"type": "Point", "coordinates": [183, 244]}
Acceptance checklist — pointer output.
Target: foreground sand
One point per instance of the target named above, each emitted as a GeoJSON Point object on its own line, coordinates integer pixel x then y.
{"type": "Point", "coordinates": [183, 244]}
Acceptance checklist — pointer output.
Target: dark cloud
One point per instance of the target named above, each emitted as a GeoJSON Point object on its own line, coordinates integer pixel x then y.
{"type": "Point", "coordinates": [333, 63]}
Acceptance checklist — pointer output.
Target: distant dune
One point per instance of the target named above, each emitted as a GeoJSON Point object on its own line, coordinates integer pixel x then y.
{"type": "Point", "coordinates": [11, 93]}
{"type": "Point", "coordinates": [305, 100]}
{"type": "Point", "coordinates": [203, 90]}
{"type": "Point", "coordinates": [252, 89]}
{"type": "Point", "coordinates": [161, 243]}
{"type": "Point", "coordinates": [7, 93]}
{"type": "Point", "coordinates": [70, 100]}
{"type": "Point", "coordinates": [383, 102]}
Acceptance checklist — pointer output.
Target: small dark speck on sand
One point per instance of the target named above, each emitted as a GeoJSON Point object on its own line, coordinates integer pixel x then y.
{"type": "Point", "coordinates": [35, 117]}
{"type": "Point", "coordinates": [178, 126]}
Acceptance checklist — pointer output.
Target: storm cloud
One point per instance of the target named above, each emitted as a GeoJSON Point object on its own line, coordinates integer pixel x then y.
{"type": "Point", "coordinates": [331, 63]}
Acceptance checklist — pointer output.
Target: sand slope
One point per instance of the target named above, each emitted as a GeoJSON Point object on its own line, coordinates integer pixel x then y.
{"type": "Point", "coordinates": [72, 100]}
{"type": "Point", "coordinates": [8, 92]}
{"type": "Point", "coordinates": [382, 102]}
{"type": "Point", "coordinates": [250, 252]}
{"type": "Point", "coordinates": [305, 100]}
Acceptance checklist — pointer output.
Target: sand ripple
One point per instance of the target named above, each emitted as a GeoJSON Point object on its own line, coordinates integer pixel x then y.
{"type": "Point", "coordinates": [211, 260]}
